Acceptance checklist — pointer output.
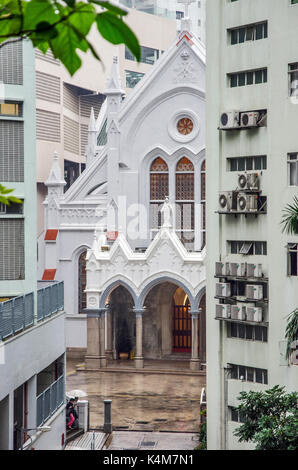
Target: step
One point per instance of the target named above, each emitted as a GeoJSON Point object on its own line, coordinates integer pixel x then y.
{"type": "Point", "coordinates": [72, 434]}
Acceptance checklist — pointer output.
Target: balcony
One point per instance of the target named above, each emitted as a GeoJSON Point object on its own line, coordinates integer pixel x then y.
{"type": "Point", "coordinates": [18, 314]}
{"type": "Point", "coordinates": [50, 400]}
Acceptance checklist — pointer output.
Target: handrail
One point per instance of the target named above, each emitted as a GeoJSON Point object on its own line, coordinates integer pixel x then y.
{"type": "Point", "coordinates": [49, 401]}
{"type": "Point", "coordinates": [17, 314]}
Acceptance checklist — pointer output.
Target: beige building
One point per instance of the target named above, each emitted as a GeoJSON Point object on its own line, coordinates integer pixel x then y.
{"type": "Point", "coordinates": [63, 103]}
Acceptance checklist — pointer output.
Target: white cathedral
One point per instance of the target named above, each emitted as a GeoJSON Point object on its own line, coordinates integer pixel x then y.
{"type": "Point", "coordinates": [128, 237]}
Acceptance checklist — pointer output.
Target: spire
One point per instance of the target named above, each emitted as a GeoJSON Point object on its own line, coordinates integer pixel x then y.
{"type": "Point", "coordinates": [55, 177]}
{"type": "Point", "coordinates": [186, 21]}
{"type": "Point", "coordinates": [92, 122]}
{"type": "Point", "coordinates": [114, 81]}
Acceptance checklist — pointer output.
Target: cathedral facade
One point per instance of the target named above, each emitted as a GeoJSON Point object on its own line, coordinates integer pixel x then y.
{"type": "Point", "coordinates": [128, 237]}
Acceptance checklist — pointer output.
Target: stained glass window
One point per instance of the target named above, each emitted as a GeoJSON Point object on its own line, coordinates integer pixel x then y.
{"type": "Point", "coordinates": [185, 222]}
{"type": "Point", "coordinates": [159, 189]}
{"type": "Point", "coordinates": [185, 126]}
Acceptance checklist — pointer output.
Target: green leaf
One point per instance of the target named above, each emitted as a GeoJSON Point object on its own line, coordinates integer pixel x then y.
{"type": "Point", "coordinates": [108, 6]}
{"type": "Point", "coordinates": [83, 18]}
{"type": "Point", "coordinates": [14, 199]}
{"type": "Point", "coordinates": [64, 47]}
{"type": "Point", "coordinates": [114, 30]}
{"type": "Point", "coordinates": [4, 200]}
{"type": "Point", "coordinates": [38, 11]}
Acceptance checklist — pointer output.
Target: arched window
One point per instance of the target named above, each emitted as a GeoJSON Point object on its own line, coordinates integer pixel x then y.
{"type": "Point", "coordinates": [203, 204]}
{"type": "Point", "coordinates": [82, 282]}
{"type": "Point", "coordinates": [185, 202]}
{"type": "Point", "coordinates": [159, 189]}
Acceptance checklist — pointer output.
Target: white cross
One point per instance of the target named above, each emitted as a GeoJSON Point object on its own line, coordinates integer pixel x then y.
{"type": "Point", "coordinates": [186, 3]}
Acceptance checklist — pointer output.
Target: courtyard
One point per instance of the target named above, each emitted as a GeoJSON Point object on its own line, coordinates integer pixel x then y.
{"type": "Point", "coordinates": [165, 396]}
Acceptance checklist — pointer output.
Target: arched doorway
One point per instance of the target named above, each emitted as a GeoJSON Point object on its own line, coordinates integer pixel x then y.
{"type": "Point", "coordinates": [122, 323]}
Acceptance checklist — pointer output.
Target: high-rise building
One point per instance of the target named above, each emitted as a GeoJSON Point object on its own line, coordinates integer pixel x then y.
{"type": "Point", "coordinates": [252, 148]}
{"type": "Point", "coordinates": [32, 343]}
{"type": "Point", "coordinates": [175, 10]}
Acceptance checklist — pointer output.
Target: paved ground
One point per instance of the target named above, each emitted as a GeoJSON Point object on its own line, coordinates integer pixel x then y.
{"type": "Point", "coordinates": [152, 441]}
{"type": "Point", "coordinates": [142, 401]}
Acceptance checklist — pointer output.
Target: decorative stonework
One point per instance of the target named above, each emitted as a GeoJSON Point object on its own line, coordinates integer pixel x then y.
{"type": "Point", "coordinates": [185, 71]}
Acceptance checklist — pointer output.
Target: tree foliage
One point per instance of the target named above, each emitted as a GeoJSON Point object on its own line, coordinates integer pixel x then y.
{"type": "Point", "coordinates": [271, 419]}
{"type": "Point", "coordinates": [291, 330]}
{"type": "Point", "coordinates": [290, 218]}
{"type": "Point", "coordinates": [5, 199]}
{"type": "Point", "coordinates": [63, 26]}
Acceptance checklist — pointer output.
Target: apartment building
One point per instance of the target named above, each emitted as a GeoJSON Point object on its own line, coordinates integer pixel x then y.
{"type": "Point", "coordinates": [32, 343]}
{"type": "Point", "coordinates": [175, 10]}
{"type": "Point", "coordinates": [252, 148]}
{"type": "Point", "coordinates": [63, 103]}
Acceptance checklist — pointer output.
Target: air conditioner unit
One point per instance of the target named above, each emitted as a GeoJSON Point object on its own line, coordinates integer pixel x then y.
{"type": "Point", "coordinates": [223, 290]}
{"type": "Point", "coordinates": [227, 201]}
{"type": "Point", "coordinates": [229, 120]}
{"type": "Point", "coordinates": [254, 314]}
{"type": "Point", "coordinates": [223, 311]}
{"type": "Point", "coordinates": [249, 119]}
{"type": "Point", "coordinates": [222, 269]}
{"type": "Point", "coordinates": [247, 202]}
{"type": "Point", "coordinates": [237, 312]}
{"type": "Point", "coordinates": [248, 181]}
{"type": "Point", "coordinates": [253, 181]}
{"type": "Point", "coordinates": [254, 270]}
{"type": "Point", "coordinates": [254, 292]}
{"type": "Point", "coordinates": [243, 269]}
{"type": "Point", "coordinates": [235, 269]}
{"type": "Point", "coordinates": [251, 270]}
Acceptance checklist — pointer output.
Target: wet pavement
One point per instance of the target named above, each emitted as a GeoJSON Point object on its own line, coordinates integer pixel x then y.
{"type": "Point", "coordinates": [142, 401]}
{"type": "Point", "coordinates": [151, 441]}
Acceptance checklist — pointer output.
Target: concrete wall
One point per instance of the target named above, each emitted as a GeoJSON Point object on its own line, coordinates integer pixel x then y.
{"type": "Point", "coordinates": [275, 141]}
{"type": "Point", "coordinates": [43, 344]}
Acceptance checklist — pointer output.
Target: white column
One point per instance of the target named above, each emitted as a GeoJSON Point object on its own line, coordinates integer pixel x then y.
{"type": "Point", "coordinates": [195, 361]}
{"type": "Point", "coordinates": [102, 339]}
{"type": "Point", "coordinates": [139, 359]}
{"type": "Point", "coordinates": [92, 358]}
{"type": "Point", "coordinates": [109, 326]}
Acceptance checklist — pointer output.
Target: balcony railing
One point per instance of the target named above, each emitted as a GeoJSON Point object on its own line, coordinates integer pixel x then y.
{"type": "Point", "coordinates": [48, 402]}
{"type": "Point", "coordinates": [17, 314]}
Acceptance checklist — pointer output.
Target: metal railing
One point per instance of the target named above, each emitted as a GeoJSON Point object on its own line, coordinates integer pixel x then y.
{"type": "Point", "coordinates": [50, 300]}
{"type": "Point", "coordinates": [48, 402]}
{"type": "Point", "coordinates": [17, 314]}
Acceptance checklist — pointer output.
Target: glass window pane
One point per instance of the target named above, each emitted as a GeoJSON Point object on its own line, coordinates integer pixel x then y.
{"type": "Point", "coordinates": [234, 36]}
{"type": "Point", "coordinates": [242, 373]}
{"type": "Point", "coordinates": [249, 332]}
{"type": "Point", "coordinates": [258, 76]}
{"type": "Point", "coordinates": [233, 164]}
{"type": "Point", "coordinates": [241, 79]}
{"type": "Point", "coordinates": [242, 34]}
{"type": "Point", "coordinates": [258, 333]}
{"type": "Point", "coordinates": [259, 376]}
{"type": "Point", "coordinates": [241, 164]}
{"type": "Point", "coordinates": [249, 163]}
{"type": "Point", "coordinates": [234, 415]}
{"type": "Point", "coordinates": [258, 163]}
{"type": "Point", "coordinates": [233, 80]}
{"type": "Point", "coordinates": [260, 31]}
{"type": "Point", "coordinates": [250, 78]}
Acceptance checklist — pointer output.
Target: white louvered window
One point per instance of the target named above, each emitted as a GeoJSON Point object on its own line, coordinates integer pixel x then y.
{"type": "Point", "coordinates": [88, 102]}
{"type": "Point", "coordinates": [12, 259]}
{"type": "Point", "coordinates": [71, 135]}
{"type": "Point", "coordinates": [47, 87]}
{"type": "Point", "coordinates": [71, 98]}
{"type": "Point", "coordinates": [84, 138]}
{"type": "Point", "coordinates": [48, 57]}
{"type": "Point", "coordinates": [47, 126]}
{"type": "Point", "coordinates": [11, 63]}
{"type": "Point", "coordinates": [11, 150]}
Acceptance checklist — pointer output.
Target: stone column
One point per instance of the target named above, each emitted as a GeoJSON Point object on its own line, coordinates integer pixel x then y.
{"type": "Point", "coordinates": [92, 358]}
{"type": "Point", "coordinates": [195, 361]}
{"type": "Point", "coordinates": [102, 329]}
{"type": "Point", "coordinates": [109, 350]}
{"type": "Point", "coordinates": [139, 360]}
{"type": "Point", "coordinates": [95, 358]}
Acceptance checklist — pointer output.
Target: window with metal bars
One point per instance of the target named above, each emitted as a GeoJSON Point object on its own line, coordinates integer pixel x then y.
{"type": "Point", "coordinates": [12, 258]}
{"type": "Point", "coordinates": [11, 150]}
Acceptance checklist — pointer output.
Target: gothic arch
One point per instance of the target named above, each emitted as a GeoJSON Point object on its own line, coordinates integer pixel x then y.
{"type": "Point", "coordinates": [160, 279]}
{"type": "Point", "coordinates": [76, 254]}
{"type": "Point", "coordinates": [113, 285]}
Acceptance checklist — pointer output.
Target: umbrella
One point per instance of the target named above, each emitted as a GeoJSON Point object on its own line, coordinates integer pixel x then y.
{"type": "Point", "coordinates": [76, 393]}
